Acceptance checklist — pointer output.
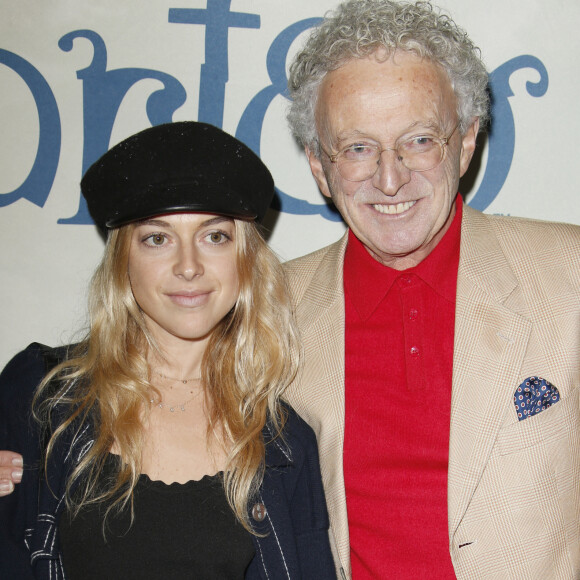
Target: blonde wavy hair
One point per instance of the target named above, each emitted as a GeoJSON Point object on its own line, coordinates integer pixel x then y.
{"type": "Point", "coordinates": [251, 357]}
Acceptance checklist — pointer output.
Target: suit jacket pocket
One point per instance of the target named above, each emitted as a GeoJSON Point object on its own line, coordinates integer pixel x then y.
{"type": "Point", "coordinates": [560, 421]}
{"type": "Point", "coordinates": [527, 502]}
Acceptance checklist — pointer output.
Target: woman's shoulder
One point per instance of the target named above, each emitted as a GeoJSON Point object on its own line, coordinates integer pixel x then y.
{"type": "Point", "coordinates": [37, 354]}
{"type": "Point", "coordinates": [297, 436]}
{"type": "Point", "coordinates": [27, 368]}
{"type": "Point", "coordinates": [294, 422]}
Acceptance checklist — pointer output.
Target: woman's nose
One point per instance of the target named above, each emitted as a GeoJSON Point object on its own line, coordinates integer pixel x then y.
{"type": "Point", "coordinates": [188, 263]}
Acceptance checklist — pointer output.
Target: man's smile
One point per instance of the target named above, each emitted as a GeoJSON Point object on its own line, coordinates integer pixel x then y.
{"type": "Point", "coordinates": [394, 208]}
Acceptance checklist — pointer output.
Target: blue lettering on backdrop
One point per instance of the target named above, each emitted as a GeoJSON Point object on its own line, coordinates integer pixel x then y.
{"type": "Point", "coordinates": [36, 187]}
{"type": "Point", "coordinates": [214, 72]}
{"type": "Point", "coordinates": [104, 91]}
{"type": "Point", "coordinates": [250, 126]}
{"type": "Point", "coordinates": [502, 133]}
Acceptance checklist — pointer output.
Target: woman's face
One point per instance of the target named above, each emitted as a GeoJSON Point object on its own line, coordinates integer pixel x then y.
{"type": "Point", "coordinates": [183, 273]}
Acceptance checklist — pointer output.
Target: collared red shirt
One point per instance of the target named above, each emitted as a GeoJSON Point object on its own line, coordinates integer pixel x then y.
{"type": "Point", "coordinates": [398, 371]}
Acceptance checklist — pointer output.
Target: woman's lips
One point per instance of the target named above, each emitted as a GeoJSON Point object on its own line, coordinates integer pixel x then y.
{"type": "Point", "coordinates": [189, 299]}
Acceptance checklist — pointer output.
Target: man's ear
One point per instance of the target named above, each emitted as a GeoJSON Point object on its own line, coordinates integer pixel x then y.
{"type": "Point", "coordinates": [468, 146]}
{"type": "Point", "coordinates": [317, 171]}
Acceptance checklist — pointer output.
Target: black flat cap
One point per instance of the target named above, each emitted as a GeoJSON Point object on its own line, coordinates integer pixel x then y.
{"type": "Point", "coordinates": [177, 167]}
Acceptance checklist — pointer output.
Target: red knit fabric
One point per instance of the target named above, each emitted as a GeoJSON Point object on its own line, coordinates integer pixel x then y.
{"type": "Point", "coordinates": [399, 359]}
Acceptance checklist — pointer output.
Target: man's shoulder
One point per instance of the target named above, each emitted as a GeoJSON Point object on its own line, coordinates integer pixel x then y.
{"type": "Point", "coordinates": [525, 237]}
{"type": "Point", "coordinates": [322, 266]}
{"type": "Point", "coordinates": [530, 246]}
{"type": "Point", "coordinates": [332, 251]}
{"type": "Point", "coordinates": [508, 226]}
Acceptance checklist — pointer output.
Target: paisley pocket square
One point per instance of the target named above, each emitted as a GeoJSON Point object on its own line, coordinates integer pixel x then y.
{"type": "Point", "coordinates": [533, 396]}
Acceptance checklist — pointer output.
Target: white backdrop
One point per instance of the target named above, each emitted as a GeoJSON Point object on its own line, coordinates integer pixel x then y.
{"type": "Point", "coordinates": [61, 105]}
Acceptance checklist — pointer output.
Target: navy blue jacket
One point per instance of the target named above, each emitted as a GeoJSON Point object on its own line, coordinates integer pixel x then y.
{"type": "Point", "coordinates": [296, 543]}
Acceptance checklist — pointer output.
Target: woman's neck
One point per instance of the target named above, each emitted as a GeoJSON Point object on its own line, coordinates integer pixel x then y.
{"type": "Point", "coordinates": [177, 359]}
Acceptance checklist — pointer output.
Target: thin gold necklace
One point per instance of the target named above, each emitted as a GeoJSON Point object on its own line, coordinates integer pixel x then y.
{"type": "Point", "coordinates": [177, 406]}
{"type": "Point", "coordinates": [184, 381]}
{"type": "Point", "coordinates": [172, 408]}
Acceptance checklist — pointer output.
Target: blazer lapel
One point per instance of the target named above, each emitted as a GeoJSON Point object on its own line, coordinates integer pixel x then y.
{"type": "Point", "coordinates": [490, 344]}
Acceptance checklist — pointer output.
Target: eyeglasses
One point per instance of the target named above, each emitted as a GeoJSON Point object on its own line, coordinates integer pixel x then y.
{"type": "Point", "coordinates": [360, 161]}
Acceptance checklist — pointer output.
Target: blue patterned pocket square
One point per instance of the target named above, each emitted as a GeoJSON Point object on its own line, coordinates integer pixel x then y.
{"type": "Point", "coordinates": [533, 396]}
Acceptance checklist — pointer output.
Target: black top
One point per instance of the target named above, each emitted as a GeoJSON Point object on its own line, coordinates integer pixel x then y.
{"type": "Point", "coordinates": [179, 531]}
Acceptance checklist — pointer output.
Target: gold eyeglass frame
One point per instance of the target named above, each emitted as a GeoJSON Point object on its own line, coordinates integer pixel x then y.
{"type": "Point", "coordinates": [443, 142]}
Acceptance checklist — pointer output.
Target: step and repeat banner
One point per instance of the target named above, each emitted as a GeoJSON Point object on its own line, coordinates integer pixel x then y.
{"type": "Point", "coordinates": [77, 76]}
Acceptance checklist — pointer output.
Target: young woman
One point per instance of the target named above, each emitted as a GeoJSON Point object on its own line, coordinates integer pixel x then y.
{"type": "Point", "coordinates": [160, 447]}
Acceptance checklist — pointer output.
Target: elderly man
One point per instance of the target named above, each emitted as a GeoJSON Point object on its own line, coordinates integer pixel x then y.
{"type": "Point", "coordinates": [433, 334]}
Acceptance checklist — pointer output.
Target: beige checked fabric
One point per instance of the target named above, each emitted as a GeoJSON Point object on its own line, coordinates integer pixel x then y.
{"type": "Point", "coordinates": [514, 486]}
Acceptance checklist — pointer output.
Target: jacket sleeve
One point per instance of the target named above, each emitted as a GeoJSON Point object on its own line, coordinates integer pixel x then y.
{"type": "Point", "coordinates": [19, 433]}
{"type": "Point", "coordinates": [296, 543]}
{"type": "Point", "coordinates": [311, 524]}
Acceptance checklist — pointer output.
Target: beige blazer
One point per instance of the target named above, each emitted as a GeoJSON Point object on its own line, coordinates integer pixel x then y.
{"type": "Point", "coordinates": [513, 486]}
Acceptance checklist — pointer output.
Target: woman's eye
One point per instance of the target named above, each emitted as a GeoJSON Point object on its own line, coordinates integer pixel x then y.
{"type": "Point", "coordinates": [218, 237]}
{"type": "Point", "coordinates": [155, 239]}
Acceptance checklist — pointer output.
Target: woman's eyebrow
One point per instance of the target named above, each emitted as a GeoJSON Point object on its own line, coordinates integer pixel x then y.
{"type": "Point", "coordinates": [162, 223]}
{"type": "Point", "coordinates": [216, 220]}
{"type": "Point", "coordinates": [154, 222]}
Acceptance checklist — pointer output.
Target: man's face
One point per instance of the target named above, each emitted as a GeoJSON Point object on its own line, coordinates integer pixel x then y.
{"type": "Point", "coordinates": [399, 215]}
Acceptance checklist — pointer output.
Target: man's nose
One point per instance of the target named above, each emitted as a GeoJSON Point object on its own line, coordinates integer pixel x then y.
{"type": "Point", "coordinates": [391, 174]}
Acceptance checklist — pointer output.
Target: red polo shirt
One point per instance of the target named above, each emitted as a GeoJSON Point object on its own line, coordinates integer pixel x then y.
{"type": "Point", "coordinates": [398, 370]}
